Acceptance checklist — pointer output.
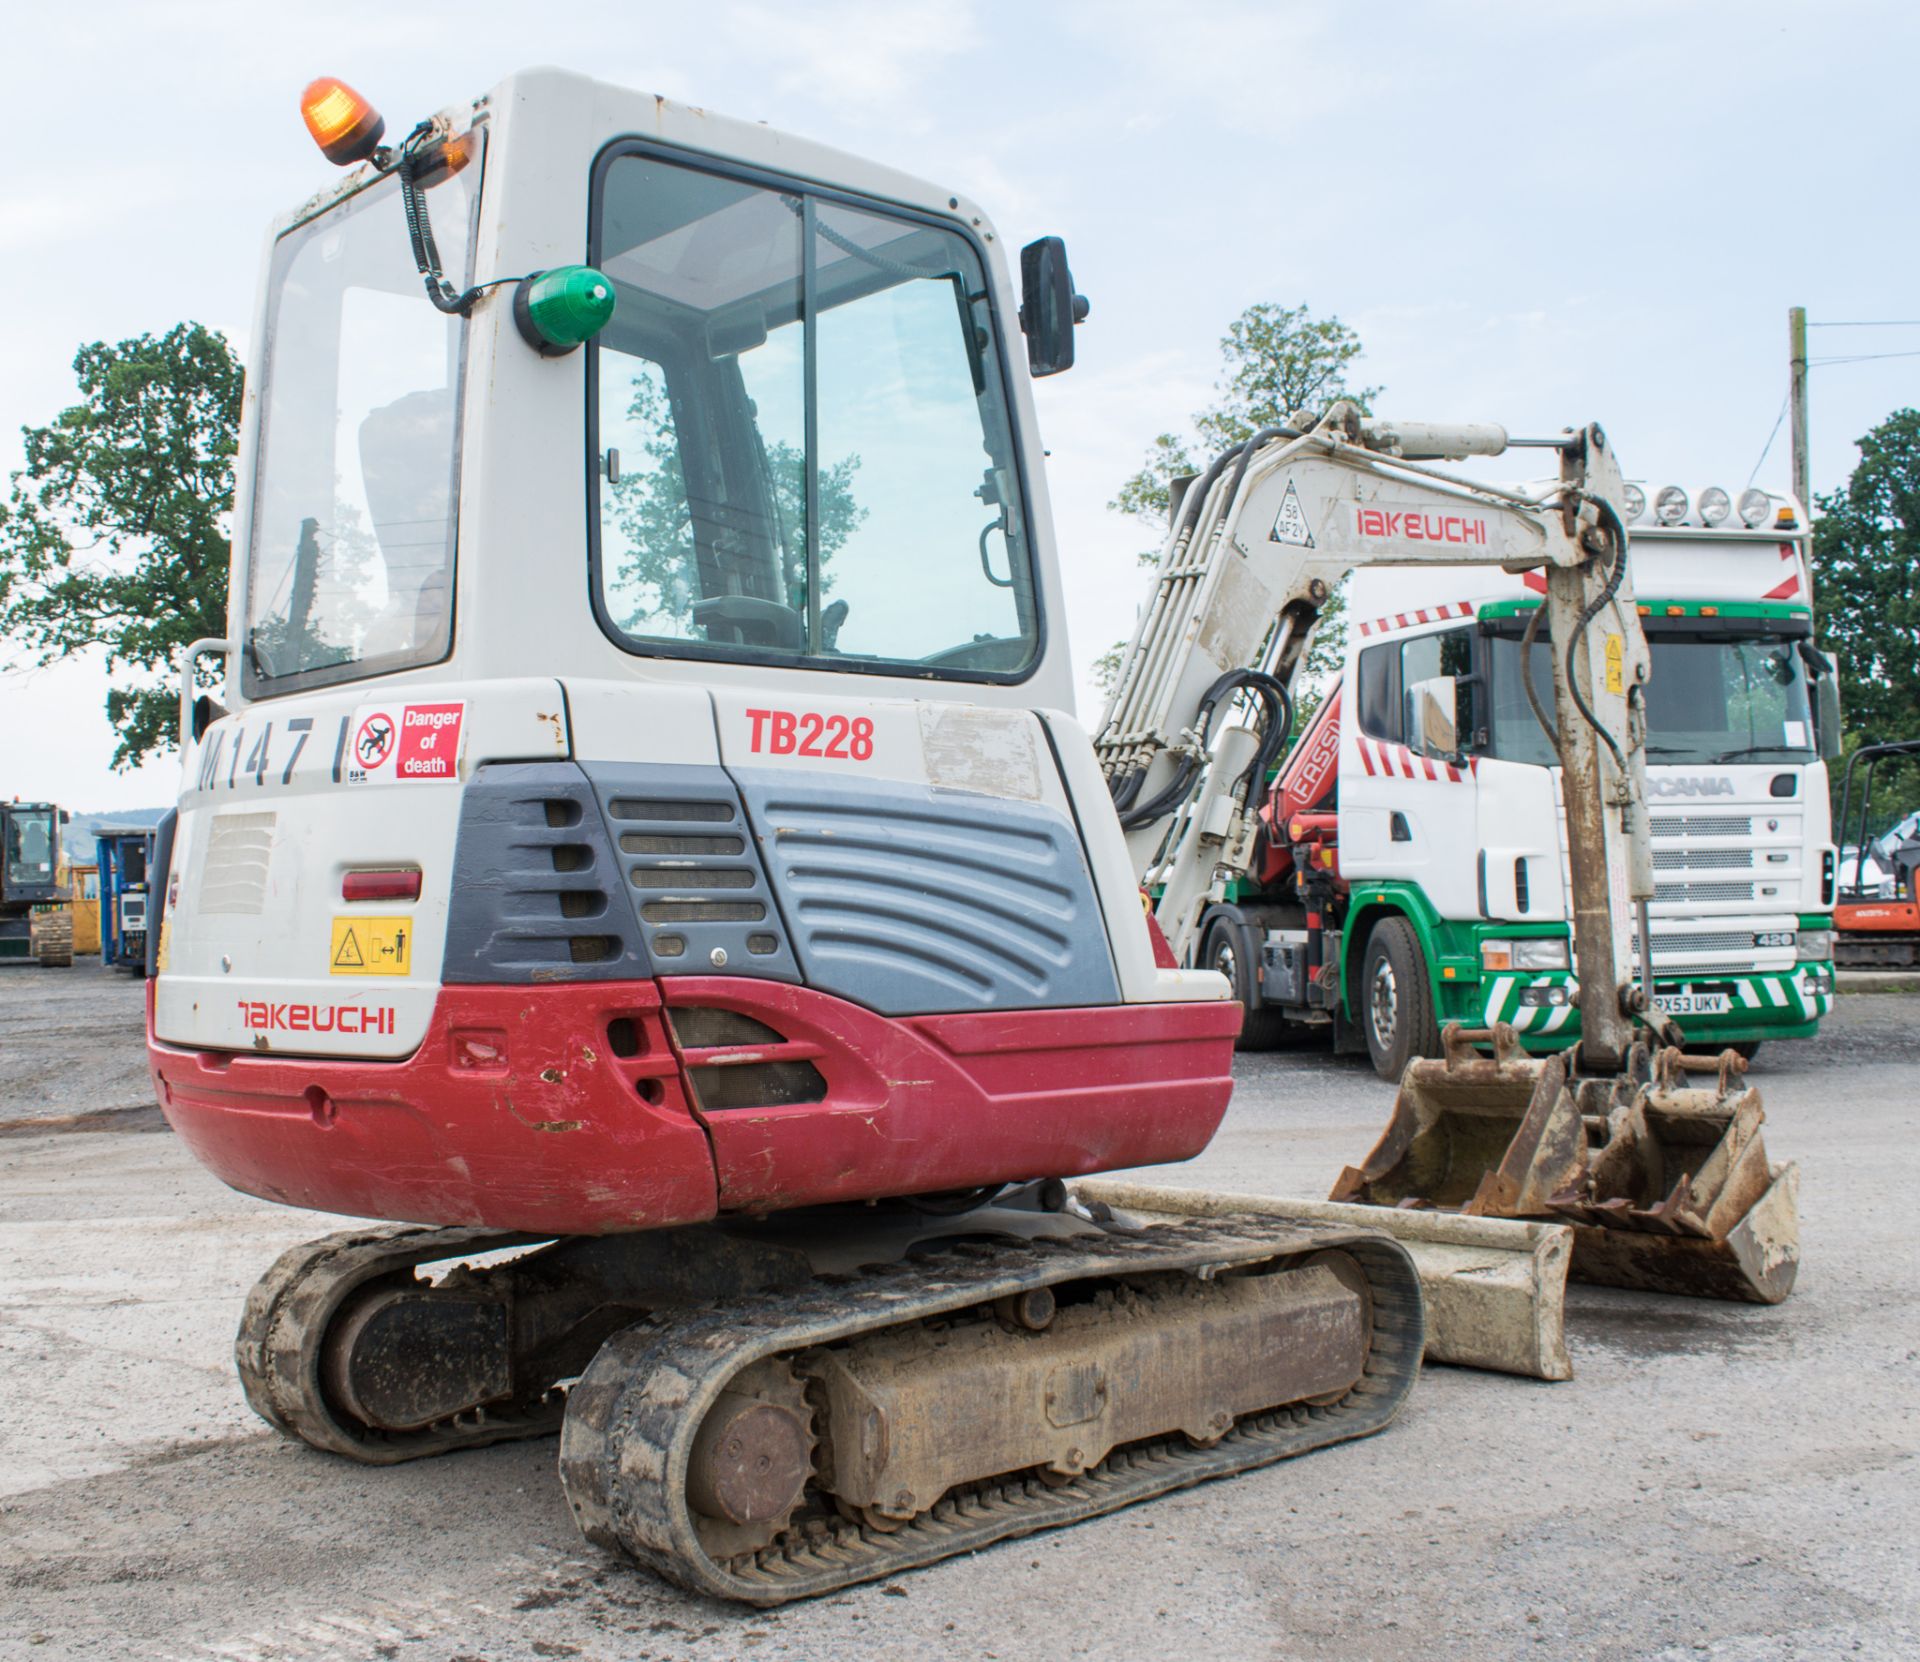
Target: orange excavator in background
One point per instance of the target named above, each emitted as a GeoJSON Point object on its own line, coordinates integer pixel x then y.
{"type": "Point", "coordinates": [1876, 916]}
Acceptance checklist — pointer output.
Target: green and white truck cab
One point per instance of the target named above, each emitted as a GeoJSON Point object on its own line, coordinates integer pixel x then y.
{"type": "Point", "coordinates": [1436, 850]}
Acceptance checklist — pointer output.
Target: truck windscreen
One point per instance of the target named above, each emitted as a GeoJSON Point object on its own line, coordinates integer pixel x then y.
{"type": "Point", "coordinates": [1715, 697]}
{"type": "Point", "coordinates": [352, 546]}
{"type": "Point", "coordinates": [804, 448]}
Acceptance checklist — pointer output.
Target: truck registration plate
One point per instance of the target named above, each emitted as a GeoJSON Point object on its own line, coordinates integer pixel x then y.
{"type": "Point", "coordinates": [1695, 1004]}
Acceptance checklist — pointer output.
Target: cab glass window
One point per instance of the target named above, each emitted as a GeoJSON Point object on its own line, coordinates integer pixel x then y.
{"type": "Point", "coordinates": [1717, 694]}
{"type": "Point", "coordinates": [1379, 679]}
{"type": "Point", "coordinates": [29, 849]}
{"type": "Point", "coordinates": [350, 568]}
{"type": "Point", "coordinates": [804, 451]}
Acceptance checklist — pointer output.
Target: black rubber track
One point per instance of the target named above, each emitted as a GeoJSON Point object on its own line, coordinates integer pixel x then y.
{"type": "Point", "coordinates": [285, 1322]}
{"type": "Point", "coordinates": [632, 1417]}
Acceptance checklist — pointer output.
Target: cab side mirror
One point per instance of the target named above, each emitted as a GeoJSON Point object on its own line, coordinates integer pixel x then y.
{"type": "Point", "coordinates": [1826, 701]}
{"type": "Point", "coordinates": [1826, 715]}
{"type": "Point", "coordinates": [1048, 306]}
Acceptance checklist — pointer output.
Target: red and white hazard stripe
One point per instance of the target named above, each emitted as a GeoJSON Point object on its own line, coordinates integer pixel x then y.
{"type": "Point", "coordinates": [1413, 620]}
{"type": "Point", "coordinates": [1788, 589]}
{"type": "Point", "coordinates": [1396, 761]}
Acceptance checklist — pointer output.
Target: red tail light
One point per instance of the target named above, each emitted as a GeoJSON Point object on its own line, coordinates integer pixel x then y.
{"type": "Point", "coordinates": [381, 885]}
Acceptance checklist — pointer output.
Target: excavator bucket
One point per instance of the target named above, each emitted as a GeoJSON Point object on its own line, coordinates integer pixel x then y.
{"type": "Point", "coordinates": [1666, 1185]}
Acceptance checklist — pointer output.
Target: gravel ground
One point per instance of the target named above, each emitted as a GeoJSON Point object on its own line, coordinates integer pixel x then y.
{"type": "Point", "coordinates": [70, 1043]}
{"type": "Point", "coordinates": [1716, 1481]}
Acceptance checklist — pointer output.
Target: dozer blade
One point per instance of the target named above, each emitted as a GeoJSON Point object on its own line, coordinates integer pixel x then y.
{"type": "Point", "coordinates": [1667, 1186]}
{"type": "Point", "coordinates": [1494, 1287]}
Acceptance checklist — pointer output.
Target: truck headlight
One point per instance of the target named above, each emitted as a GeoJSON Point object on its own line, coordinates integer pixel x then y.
{"type": "Point", "coordinates": [1549, 953]}
{"type": "Point", "coordinates": [1814, 946]}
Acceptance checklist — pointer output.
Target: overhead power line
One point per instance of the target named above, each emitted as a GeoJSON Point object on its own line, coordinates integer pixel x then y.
{"type": "Point", "coordinates": [1859, 358]}
{"type": "Point", "coordinates": [1881, 323]}
{"type": "Point", "coordinates": [1768, 446]}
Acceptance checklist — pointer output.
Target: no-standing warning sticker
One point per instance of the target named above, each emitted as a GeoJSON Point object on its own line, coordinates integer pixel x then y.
{"type": "Point", "coordinates": [404, 741]}
{"type": "Point", "coordinates": [373, 742]}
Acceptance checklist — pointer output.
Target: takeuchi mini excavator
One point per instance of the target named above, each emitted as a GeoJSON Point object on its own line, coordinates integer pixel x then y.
{"type": "Point", "coordinates": [639, 847]}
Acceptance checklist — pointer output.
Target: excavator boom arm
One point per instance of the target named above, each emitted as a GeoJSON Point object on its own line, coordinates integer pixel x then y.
{"type": "Point", "coordinates": [1254, 551]}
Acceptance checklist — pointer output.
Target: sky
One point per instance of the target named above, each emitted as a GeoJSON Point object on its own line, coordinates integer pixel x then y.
{"type": "Point", "coordinates": [1534, 215]}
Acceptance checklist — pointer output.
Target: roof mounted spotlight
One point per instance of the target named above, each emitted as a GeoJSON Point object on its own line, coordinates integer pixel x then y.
{"type": "Point", "coordinates": [1634, 500]}
{"type": "Point", "coordinates": [1713, 505]}
{"type": "Point", "coordinates": [1670, 506]}
{"type": "Point", "coordinates": [1755, 508]}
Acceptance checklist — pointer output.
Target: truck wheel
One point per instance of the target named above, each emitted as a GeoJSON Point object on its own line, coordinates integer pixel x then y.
{"type": "Point", "coordinates": [1395, 999]}
{"type": "Point", "coordinates": [1261, 1029]}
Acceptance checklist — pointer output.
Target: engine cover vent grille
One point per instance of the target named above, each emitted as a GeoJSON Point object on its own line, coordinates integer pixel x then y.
{"type": "Point", "coordinates": [536, 893]}
{"type": "Point", "coordinates": [691, 871]}
{"type": "Point", "coordinates": [912, 901]}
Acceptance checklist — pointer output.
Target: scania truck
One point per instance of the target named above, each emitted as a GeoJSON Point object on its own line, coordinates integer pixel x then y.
{"type": "Point", "coordinates": [1412, 867]}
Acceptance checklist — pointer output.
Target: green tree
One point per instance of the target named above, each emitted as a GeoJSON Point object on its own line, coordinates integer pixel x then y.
{"type": "Point", "coordinates": [1867, 566]}
{"type": "Point", "coordinates": [651, 508]}
{"type": "Point", "coordinates": [1276, 361]}
{"type": "Point", "coordinates": [115, 532]}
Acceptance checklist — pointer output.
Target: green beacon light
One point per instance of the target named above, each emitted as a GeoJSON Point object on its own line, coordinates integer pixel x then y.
{"type": "Point", "coordinates": [556, 310]}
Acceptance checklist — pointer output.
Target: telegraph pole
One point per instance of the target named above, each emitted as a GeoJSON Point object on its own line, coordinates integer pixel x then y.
{"type": "Point", "coordinates": [1797, 401]}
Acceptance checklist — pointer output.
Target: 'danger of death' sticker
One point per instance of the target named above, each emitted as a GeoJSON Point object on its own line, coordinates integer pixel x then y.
{"type": "Point", "coordinates": [389, 742]}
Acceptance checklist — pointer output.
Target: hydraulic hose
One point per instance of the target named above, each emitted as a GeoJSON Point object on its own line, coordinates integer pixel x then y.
{"type": "Point", "coordinates": [1618, 533]}
{"type": "Point", "coordinates": [1526, 677]}
{"type": "Point", "coordinates": [1276, 703]}
{"type": "Point", "coordinates": [1276, 727]}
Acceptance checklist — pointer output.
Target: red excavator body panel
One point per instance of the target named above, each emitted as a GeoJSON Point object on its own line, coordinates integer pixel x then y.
{"type": "Point", "coordinates": [575, 1110]}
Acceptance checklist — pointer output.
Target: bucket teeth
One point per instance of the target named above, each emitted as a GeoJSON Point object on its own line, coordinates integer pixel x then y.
{"type": "Point", "coordinates": [1667, 1163]}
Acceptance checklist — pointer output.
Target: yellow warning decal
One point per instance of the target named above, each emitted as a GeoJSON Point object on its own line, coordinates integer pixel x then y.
{"type": "Point", "coordinates": [1616, 665]}
{"type": "Point", "coordinates": [371, 946]}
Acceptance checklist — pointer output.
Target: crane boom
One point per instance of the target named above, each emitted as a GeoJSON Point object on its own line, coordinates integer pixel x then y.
{"type": "Point", "coordinates": [1254, 550]}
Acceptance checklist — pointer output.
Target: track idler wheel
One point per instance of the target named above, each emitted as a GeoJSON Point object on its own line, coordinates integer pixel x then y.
{"type": "Point", "coordinates": [751, 1461]}
{"type": "Point", "coordinates": [400, 1357]}
{"type": "Point", "coordinates": [345, 1345]}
